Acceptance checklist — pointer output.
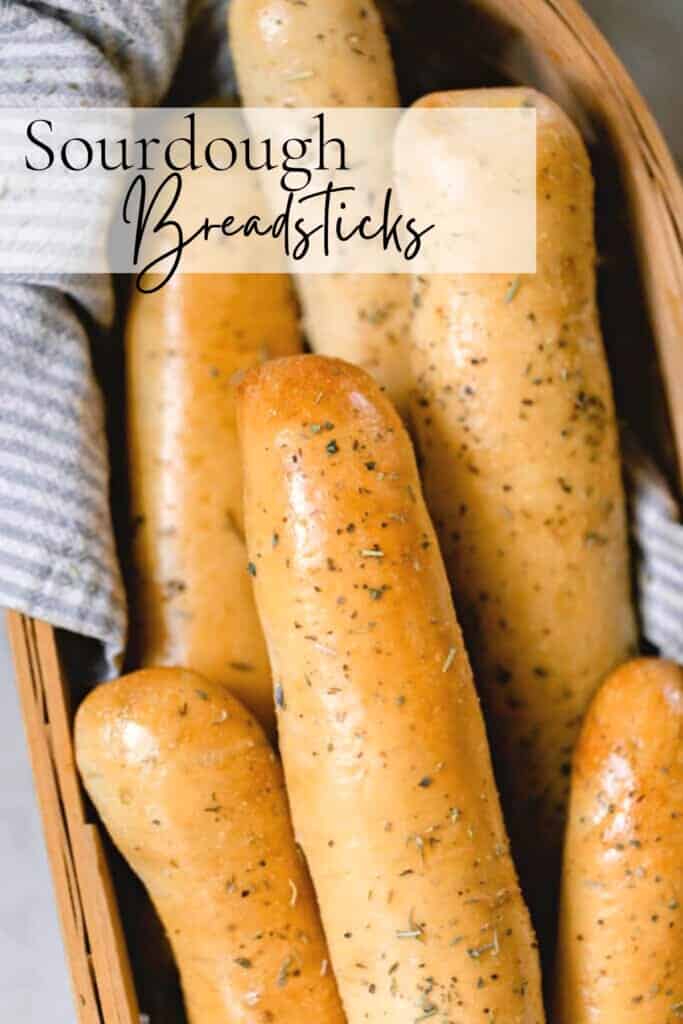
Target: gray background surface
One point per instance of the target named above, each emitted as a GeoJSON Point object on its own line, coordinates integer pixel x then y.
{"type": "Point", "coordinates": [34, 988]}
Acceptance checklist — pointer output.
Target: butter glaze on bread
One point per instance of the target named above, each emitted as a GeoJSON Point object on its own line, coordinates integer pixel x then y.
{"type": "Point", "coordinates": [192, 596]}
{"type": "Point", "coordinates": [331, 54]}
{"type": "Point", "coordinates": [387, 766]}
{"type": "Point", "coordinates": [517, 435]}
{"type": "Point", "coordinates": [192, 794]}
{"type": "Point", "coordinates": [620, 950]}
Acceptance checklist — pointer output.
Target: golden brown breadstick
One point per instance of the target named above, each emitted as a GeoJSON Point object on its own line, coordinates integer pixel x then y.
{"type": "Point", "coordinates": [193, 796]}
{"type": "Point", "coordinates": [517, 435]}
{"type": "Point", "coordinates": [192, 594]}
{"type": "Point", "coordinates": [332, 54]}
{"type": "Point", "coordinates": [387, 766]}
{"type": "Point", "coordinates": [620, 951]}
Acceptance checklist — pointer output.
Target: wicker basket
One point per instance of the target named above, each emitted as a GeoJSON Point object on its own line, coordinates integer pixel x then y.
{"type": "Point", "coordinates": [550, 43]}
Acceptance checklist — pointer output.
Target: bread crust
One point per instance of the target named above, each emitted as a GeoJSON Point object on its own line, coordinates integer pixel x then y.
{"type": "Point", "coordinates": [192, 596]}
{"type": "Point", "coordinates": [387, 765]}
{"type": "Point", "coordinates": [517, 435]}
{"type": "Point", "coordinates": [332, 54]}
{"type": "Point", "coordinates": [620, 950]}
{"type": "Point", "coordinates": [193, 796]}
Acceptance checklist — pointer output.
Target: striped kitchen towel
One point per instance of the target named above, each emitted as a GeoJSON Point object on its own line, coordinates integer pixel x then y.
{"type": "Point", "coordinates": [57, 553]}
{"type": "Point", "coordinates": [658, 535]}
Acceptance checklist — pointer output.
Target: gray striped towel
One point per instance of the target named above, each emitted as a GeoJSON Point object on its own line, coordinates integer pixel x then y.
{"type": "Point", "coordinates": [658, 535]}
{"type": "Point", "coordinates": [57, 553]}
